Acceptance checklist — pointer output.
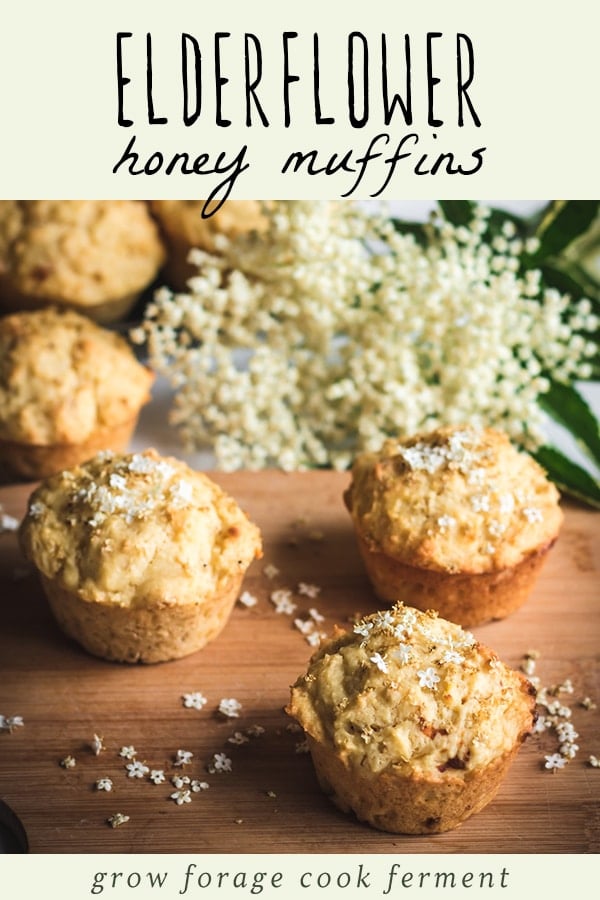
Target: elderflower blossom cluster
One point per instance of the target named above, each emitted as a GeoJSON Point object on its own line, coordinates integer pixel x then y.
{"type": "Point", "coordinates": [331, 331]}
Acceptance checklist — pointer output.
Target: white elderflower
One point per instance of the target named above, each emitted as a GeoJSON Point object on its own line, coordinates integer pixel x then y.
{"type": "Point", "coordinates": [428, 678]}
{"type": "Point", "coordinates": [230, 707]}
{"type": "Point", "coordinates": [333, 316]}
{"type": "Point", "coordinates": [194, 700]}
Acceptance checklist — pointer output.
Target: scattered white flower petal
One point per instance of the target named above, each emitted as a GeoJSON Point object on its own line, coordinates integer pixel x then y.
{"type": "Point", "coordinates": [220, 763]}
{"type": "Point", "coordinates": [238, 738]}
{"type": "Point", "coordinates": [195, 700]}
{"type": "Point", "coordinates": [180, 781]}
{"type": "Point", "coordinates": [555, 761]}
{"type": "Point", "coordinates": [69, 762]}
{"type": "Point", "coordinates": [247, 599]}
{"type": "Point", "coordinates": [282, 601]}
{"type": "Point", "coordinates": [137, 769]}
{"type": "Point", "coordinates": [9, 723]}
{"type": "Point", "coordinates": [117, 820]}
{"type": "Point", "coordinates": [183, 758]}
{"type": "Point", "coordinates": [104, 784]}
{"type": "Point", "coordinates": [230, 707]}
{"type": "Point", "coordinates": [97, 744]}
{"type": "Point", "coordinates": [197, 786]}
{"type": "Point", "coordinates": [181, 797]}
{"type": "Point", "coordinates": [157, 776]}
{"type": "Point", "coordinates": [271, 571]}
{"type": "Point", "coordinates": [127, 752]}
{"type": "Point", "coordinates": [309, 590]}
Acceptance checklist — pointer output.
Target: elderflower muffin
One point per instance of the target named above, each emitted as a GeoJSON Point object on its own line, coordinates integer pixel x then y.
{"type": "Point", "coordinates": [184, 228]}
{"type": "Point", "coordinates": [94, 256]}
{"type": "Point", "coordinates": [457, 520]}
{"type": "Point", "coordinates": [141, 558]}
{"type": "Point", "coordinates": [68, 388]}
{"type": "Point", "coordinates": [412, 725]}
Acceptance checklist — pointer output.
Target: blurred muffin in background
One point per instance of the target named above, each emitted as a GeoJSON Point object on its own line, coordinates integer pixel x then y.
{"type": "Point", "coordinates": [94, 256]}
{"type": "Point", "coordinates": [68, 388]}
{"type": "Point", "coordinates": [183, 228]}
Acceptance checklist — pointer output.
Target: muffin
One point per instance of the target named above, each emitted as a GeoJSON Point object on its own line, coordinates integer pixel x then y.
{"type": "Point", "coordinates": [94, 256]}
{"type": "Point", "coordinates": [457, 520]}
{"type": "Point", "coordinates": [412, 725]}
{"type": "Point", "coordinates": [141, 558]}
{"type": "Point", "coordinates": [68, 388]}
{"type": "Point", "coordinates": [184, 228]}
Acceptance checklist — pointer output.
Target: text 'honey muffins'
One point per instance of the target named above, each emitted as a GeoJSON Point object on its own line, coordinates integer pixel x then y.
{"type": "Point", "coordinates": [457, 520]}
{"type": "Point", "coordinates": [94, 256]}
{"type": "Point", "coordinates": [411, 724]}
{"type": "Point", "coordinates": [68, 388]}
{"type": "Point", "coordinates": [141, 557]}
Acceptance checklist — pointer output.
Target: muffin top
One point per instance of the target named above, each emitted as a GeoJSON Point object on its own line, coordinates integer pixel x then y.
{"type": "Point", "coordinates": [182, 220]}
{"type": "Point", "coordinates": [77, 252]}
{"type": "Point", "coordinates": [137, 530]}
{"type": "Point", "coordinates": [458, 499]}
{"type": "Point", "coordinates": [411, 690]}
{"type": "Point", "coordinates": [62, 378]}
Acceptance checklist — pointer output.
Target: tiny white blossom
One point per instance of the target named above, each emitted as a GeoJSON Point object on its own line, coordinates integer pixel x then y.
{"type": "Point", "coordinates": [230, 707]}
{"type": "Point", "coordinates": [271, 571]}
{"type": "Point", "coordinates": [309, 590]}
{"type": "Point", "coordinates": [378, 660]}
{"type": "Point", "coordinates": [255, 731]}
{"type": "Point", "coordinates": [97, 744]}
{"type": "Point", "coordinates": [137, 769]}
{"type": "Point", "coordinates": [428, 677]}
{"type": "Point", "coordinates": [180, 781]}
{"type": "Point", "coordinates": [127, 752]}
{"type": "Point", "coordinates": [402, 653]}
{"type": "Point", "coordinates": [247, 599]}
{"type": "Point", "coordinates": [196, 786]}
{"type": "Point", "coordinates": [195, 700]}
{"type": "Point", "coordinates": [8, 523]}
{"type": "Point", "coordinates": [555, 761]}
{"type": "Point", "coordinates": [452, 656]}
{"type": "Point", "coordinates": [117, 819]}
{"type": "Point", "coordinates": [157, 776]}
{"type": "Point", "coordinates": [316, 615]}
{"type": "Point", "coordinates": [9, 723]}
{"type": "Point", "coordinates": [219, 764]}
{"type": "Point", "coordinates": [183, 758]}
{"type": "Point", "coordinates": [282, 601]}
{"type": "Point", "coordinates": [69, 762]}
{"type": "Point", "coordinates": [238, 738]}
{"type": "Point", "coordinates": [532, 514]}
{"type": "Point", "coordinates": [181, 797]}
{"type": "Point", "coordinates": [104, 784]}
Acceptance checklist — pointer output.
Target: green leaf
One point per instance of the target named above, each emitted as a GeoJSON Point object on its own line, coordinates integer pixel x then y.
{"type": "Point", "coordinates": [459, 212]}
{"type": "Point", "coordinates": [568, 476]}
{"type": "Point", "coordinates": [569, 278]}
{"type": "Point", "coordinates": [417, 229]}
{"type": "Point", "coordinates": [564, 403]}
{"type": "Point", "coordinates": [565, 221]}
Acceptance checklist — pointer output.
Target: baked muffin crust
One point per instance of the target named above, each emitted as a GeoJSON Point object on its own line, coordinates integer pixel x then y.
{"type": "Point", "coordinates": [137, 531]}
{"type": "Point", "coordinates": [63, 378]}
{"type": "Point", "coordinates": [459, 499]}
{"type": "Point", "coordinates": [410, 690]}
{"type": "Point", "coordinates": [92, 255]}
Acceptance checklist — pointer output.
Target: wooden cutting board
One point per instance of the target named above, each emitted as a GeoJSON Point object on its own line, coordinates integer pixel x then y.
{"type": "Point", "coordinates": [270, 801]}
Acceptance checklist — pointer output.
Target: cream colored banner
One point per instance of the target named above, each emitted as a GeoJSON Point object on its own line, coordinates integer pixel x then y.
{"type": "Point", "coordinates": [330, 877]}
{"type": "Point", "coordinates": [317, 100]}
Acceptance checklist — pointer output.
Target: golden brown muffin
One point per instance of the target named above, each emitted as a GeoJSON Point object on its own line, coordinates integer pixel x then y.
{"type": "Point", "coordinates": [184, 228]}
{"type": "Point", "coordinates": [141, 557]}
{"type": "Point", "coordinates": [94, 256]}
{"type": "Point", "coordinates": [412, 724]}
{"type": "Point", "coordinates": [68, 388]}
{"type": "Point", "coordinates": [457, 520]}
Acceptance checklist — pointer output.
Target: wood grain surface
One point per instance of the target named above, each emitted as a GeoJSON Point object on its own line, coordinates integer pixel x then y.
{"type": "Point", "coordinates": [270, 801]}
